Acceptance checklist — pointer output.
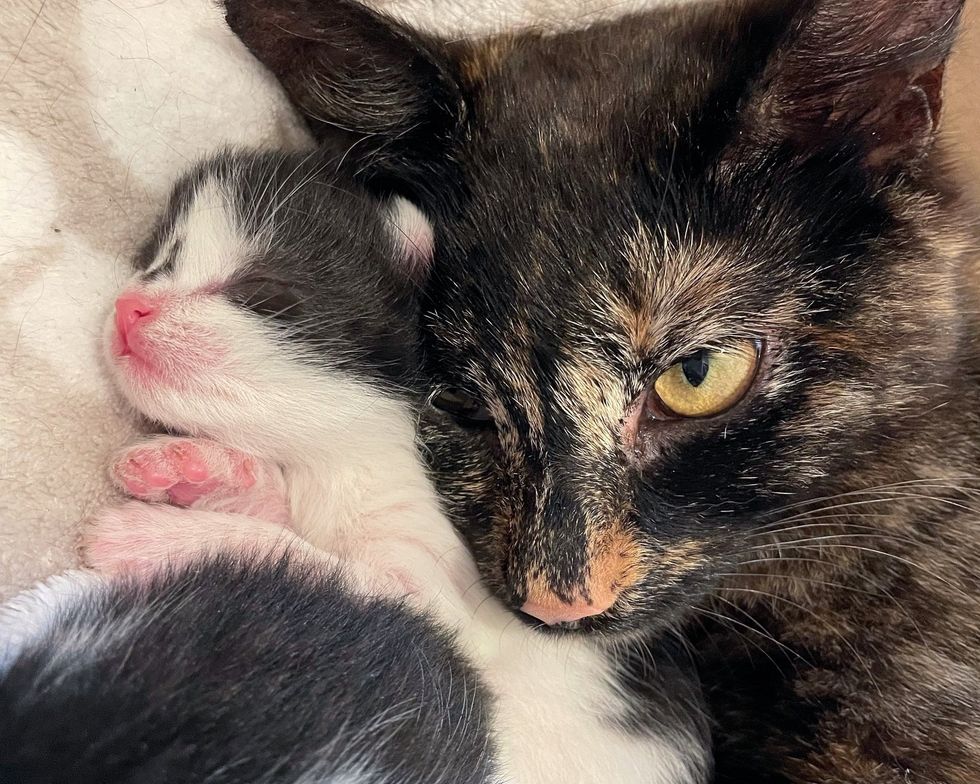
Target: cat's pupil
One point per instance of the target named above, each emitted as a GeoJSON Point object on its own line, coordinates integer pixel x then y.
{"type": "Point", "coordinates": [695, 368]}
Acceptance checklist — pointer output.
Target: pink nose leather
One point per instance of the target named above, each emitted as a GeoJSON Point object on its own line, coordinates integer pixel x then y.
{"type": "Point", "coordinates": [561, 612]}
{"type": "Point", "coordinates": [132, 308]}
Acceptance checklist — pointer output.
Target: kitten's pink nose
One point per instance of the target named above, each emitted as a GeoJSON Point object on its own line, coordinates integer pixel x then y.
{"type": "Point", "coordinates": [556, 611]}
{"type": "Point", "coordinates": [132, 309]}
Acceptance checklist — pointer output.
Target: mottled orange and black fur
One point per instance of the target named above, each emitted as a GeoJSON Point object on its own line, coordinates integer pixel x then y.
{"type": "Point", "coordinates": [609, 201]}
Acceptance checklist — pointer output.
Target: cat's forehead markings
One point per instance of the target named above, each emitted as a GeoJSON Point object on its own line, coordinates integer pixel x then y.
{"type": "Point", "coordinates": [213, 243]}
{"type": "Point", "coordinates": [680, 291]}
{"type": "Point", "coordinates": [634, 313]}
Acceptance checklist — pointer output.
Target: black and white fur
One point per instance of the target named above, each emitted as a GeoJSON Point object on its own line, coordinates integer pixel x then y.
{"type": "Point", "coordinates": [320, 387]}
{"type": "Point", "coordinates": [229, 671]}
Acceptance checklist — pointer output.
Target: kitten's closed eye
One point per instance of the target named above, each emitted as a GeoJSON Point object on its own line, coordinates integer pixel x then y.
{"type": "Point", "coordinates": [706, 383]}
{"type": "Point", "coordinates": [267, 296]}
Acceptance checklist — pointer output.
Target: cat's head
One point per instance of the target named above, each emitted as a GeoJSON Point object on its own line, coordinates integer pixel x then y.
{"type": "Point", "coordinates": [693, 267]}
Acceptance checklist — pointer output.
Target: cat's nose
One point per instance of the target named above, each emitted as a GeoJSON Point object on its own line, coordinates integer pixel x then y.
{"type": "Point", "coordinates": [133, 309]}
{"type": "Point", "coordinates": [615, 566]}
{"type": "Point", "coordinates": [551, 610]}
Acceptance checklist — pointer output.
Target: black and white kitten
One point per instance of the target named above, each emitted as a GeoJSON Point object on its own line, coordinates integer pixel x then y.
{"type": "Point", "coordinates": [272, 321]}
{"type": "Point", "coordinates": [230, 670]}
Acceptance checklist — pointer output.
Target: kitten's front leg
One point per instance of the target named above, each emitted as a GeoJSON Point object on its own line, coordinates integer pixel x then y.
{"type": "Point", "coordinates": [198, 497]}
{"type": "Point", "coordinates": [200, 474]}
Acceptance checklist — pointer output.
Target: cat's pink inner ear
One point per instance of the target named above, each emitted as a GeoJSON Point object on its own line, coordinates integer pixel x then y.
{"type": "Point", "coordinates": [413, 235]}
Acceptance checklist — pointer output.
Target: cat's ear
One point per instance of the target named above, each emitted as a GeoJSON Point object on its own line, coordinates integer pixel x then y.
{"type": "Point", "coordinates": [385, 90]}
{"type": "Point", "coordinates": [861, 72]}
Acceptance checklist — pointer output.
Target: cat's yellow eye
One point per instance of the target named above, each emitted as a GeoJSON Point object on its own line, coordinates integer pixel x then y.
{"type": "Point", "coordinates": [708, 382]}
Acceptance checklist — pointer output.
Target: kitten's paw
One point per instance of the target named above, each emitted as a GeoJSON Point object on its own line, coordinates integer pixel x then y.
{"type": "Point", "coordinates": [182, 471]}
{"type": "Point", "coordinates": [201, 474]}
{"type": "Point", "coordinates": [140, 538]}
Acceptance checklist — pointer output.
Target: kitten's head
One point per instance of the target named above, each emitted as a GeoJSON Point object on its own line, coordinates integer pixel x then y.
{"type": "Point", "coordinates": [692, 267]}
{"type": "Point", "coordinates": [272, 283]}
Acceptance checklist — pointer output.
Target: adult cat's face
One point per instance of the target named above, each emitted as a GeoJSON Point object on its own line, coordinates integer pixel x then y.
{"type": "Point", "coordinates": [683, 263]}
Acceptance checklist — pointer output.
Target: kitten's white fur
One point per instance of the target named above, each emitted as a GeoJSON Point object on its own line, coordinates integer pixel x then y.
{"type": "Point", "coordinates": [30, 614]}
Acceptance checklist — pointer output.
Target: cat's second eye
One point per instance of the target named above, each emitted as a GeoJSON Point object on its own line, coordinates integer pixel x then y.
{"type": "Point", "coordinates": [706, 383]}
{"type": "Point", "coordinates": [467, 410]}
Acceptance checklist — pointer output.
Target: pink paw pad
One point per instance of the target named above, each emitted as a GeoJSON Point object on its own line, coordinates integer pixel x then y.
{"type": "Point", "coordinates": [202, 474]}
{"type": "Point", "coordinates": [181, 471]}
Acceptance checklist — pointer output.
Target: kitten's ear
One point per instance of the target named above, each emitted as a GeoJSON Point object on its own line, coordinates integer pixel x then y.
{"type": "Point", "coordinates": [354, 73]}
{"type": "Point", "coordinates": [413, 236]}
{"type": "Point", "coordinates": [863, 71]}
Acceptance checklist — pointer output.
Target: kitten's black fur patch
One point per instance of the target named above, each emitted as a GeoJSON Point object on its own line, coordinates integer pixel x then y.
{"type": "Point", "coordinates": [274, 673]}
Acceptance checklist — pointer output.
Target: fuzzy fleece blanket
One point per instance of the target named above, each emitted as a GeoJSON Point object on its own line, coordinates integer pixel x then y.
{"type": "Point", "coordinates": [102, 104]}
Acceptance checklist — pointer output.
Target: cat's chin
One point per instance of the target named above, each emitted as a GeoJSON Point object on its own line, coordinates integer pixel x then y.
{"type": "Point", "coordinates": [611, 629]}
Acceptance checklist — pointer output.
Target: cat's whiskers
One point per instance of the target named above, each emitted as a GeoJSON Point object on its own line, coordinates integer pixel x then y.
{"type": "Point", "coordinates": [278, 313]}
{"type": "Point", "coordinates": [809, 580]}
{"type": "Point", "coordinates": [837, 511]}
{"type": "Point", "coordinates": [875, 552]}
{"type": "Point", "coordinates": [823, 622]}
{"type": "Point", "coordinates": [755, 629]}
{"type": "Point", "coordinates": [838, 520]}
{"type": "Point", "coordinates": [269, 224]}
{"type": "Point", "coordinates": [833, 537]}
{"type": "Point", "coordinates": [759, 625]}
{"type": "Point", "coordinates": [930, 483]}
{"type": "Point", "coordinates": [879, 589]}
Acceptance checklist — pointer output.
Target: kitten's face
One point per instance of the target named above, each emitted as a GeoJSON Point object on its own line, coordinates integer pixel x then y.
{"type": "Point", "coordinates": [680, 281]}
{"type": "Point", "coordinates": [270, 283]}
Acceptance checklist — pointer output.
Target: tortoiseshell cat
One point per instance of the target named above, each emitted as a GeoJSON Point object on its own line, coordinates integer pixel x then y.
{"type": "Point", "coordinates": [702, 343]}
